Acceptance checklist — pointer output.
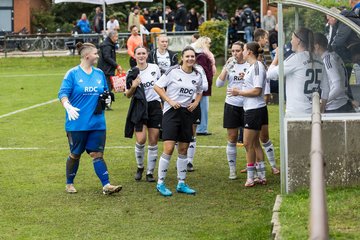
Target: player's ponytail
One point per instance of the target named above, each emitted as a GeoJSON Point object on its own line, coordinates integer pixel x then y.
{"type": "Point", "coordinates": [255, 48]}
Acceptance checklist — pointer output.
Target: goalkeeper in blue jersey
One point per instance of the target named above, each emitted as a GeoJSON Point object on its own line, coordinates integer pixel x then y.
{"type": "Point", "coordinates": [84, 94]}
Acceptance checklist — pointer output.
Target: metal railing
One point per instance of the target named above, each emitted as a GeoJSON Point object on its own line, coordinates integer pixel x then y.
{"type": "Point", "coordinates": [319, 228]}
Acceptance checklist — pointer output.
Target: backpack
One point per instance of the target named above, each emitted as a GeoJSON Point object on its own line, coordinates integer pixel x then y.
{"type": "Point", "coordinates": [249, 18]}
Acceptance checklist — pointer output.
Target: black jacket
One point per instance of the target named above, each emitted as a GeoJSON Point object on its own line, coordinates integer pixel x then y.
{"type": "Point", "coordinates": [152, 58]}
{"type": "Point", "coordinates": [346, 42]}
{"type": "Point", "coordinates": [137, 112]}
{"type": "Point", "coordinates": [107, 57]}
{"type": "Point", "coordinates": [180, 16]}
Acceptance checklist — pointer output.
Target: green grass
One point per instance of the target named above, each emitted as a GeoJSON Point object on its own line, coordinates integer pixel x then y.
{"type": "Point", "coordinates": [343, 214]}
{"type": "Point", "coordinates": [33, 204]}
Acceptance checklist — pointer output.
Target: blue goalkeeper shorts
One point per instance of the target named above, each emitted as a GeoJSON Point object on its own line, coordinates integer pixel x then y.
{"type": "Point", "coordinates": [91, 141]}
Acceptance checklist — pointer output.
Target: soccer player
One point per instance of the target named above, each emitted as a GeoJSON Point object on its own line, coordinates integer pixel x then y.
{"type": "Point", "coordinates": [335, 74]}
{"type": "Point", "coordinates": [162, 56]}
{"type": "Point", "coordinates": [303, 73]}
{"type": "Point", "coordinates": [143, 87]}
{"type": "Point", "coordinates": [261, 36]}
{"type": "Point", "coordinates": [234, 72]}
{"type": "Point", "coordinates": [181, 83]}
{"type": "Point", "coordinates": [256, 113]}
{"type": "Point", "coordinates": [80, 94]}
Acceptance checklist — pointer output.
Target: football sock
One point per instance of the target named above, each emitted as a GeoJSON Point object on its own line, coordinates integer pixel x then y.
{"type": "Point", "coordinates": [163, 167]}
{"type": "Point", "coordinates": [151, 158]}
{"type": "Point", "coordinates": [101, 170]}
{"type": "Point", "coordinates": [231, 155]}
{"type": "Point", "coordinates": [260, 169]}
{"type": "Point", "coordinates": [191, 151]}
{"type": "Point", "coordinates": [181, 165]}
{"type": "Point", "coordinates": [139, 154]}
{"type": "Point", "coordinates": [250, 171]}
{"type": "Point", "coordinates": [72, 166]}
{"type": "Point", "coordinates": [270, 153]}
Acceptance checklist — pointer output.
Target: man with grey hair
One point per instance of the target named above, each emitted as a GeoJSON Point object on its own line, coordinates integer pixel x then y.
{"type": "Point", "coordinates": [107, 59]}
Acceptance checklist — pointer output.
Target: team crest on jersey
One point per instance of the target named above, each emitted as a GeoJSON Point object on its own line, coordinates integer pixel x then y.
{"type": "Point", "coordinates": [98, 81]}
{"type": "Point", "coordinates": [153, 73]}
{"type": "Point", "coordinates": [193, 82]}
{"type": "Point", "coordinates": [179, 80]}
{"type": "Point", "coordinates": [80, 81]}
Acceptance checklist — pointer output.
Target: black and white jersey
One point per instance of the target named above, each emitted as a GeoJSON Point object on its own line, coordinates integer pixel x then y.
{"type": "Point", "coordinates": [336, 75]}
{"type": "Point", "coordinates": [303, 76]}
{"type": "Point", "coordinates": [205, 83]}
{"type": "Point", "coordinates": [180, 86]}
{"type": "Point", "coordinates": [148, 78]}
{"type": "Point", "coordinates": [235, 81]}
{"type": "Point", "coordinates": [163, 60]}
{"type": "Point", "coordinates": [255, 78]}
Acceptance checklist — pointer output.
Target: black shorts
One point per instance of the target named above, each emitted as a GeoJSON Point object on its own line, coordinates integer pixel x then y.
{"type": "Point", "coordinates": [177, 125]}
{"type": "Point", "coordinates": [233, 116]}
{"type": "Point", "coordinates": [197, 115]}
{"type": "Point", "coordinates": [154, 117]}
{"type": "Point", "coordinates": [255, 118]}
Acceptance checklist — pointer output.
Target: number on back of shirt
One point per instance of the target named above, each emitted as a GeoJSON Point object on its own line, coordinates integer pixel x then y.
{"type": "Point", "coordinates": [312, 83]}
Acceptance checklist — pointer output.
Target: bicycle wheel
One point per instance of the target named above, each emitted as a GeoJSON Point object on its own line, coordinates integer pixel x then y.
{"type": "Point", "coordinates": [24, 45]}
{"type": "Point", "coordinates": [59, 44]}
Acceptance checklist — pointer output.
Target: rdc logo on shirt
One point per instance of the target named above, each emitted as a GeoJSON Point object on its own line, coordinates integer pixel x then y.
{"type": "Point", "coordinates": [186, 91]}
{"type": "Point", "coordinates": [90, 89]}
{"type": "Point", "coordinates": [148, 84]}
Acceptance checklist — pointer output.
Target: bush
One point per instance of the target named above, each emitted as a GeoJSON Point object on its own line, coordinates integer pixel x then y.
{"type": "Point", "coordinates": [43, 20]}
{"type": "Point", "coordinates": [216, 30]}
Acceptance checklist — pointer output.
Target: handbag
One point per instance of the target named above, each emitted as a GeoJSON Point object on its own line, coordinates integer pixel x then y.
{"type": "Point", "coordinates": [118, 81]}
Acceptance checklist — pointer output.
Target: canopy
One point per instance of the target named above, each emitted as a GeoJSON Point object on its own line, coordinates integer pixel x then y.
{"type": "Point", "coordinates": [101, 2]}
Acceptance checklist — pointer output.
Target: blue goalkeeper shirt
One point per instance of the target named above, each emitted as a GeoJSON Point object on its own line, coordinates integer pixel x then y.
{"type": "Point", "coordinates": [83, 92]}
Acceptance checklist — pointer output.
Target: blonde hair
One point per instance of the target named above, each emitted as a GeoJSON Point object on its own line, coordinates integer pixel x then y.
{"type": "Point", "coordinates": [202, 42]}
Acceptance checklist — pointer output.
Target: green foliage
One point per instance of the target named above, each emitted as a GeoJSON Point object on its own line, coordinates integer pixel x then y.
{"type": "Point", "coordinates": [43, 20]}
{"type": "Point", "coordinates": [216, 30]}
{"type": "Point", "coordinates": [331, 3]}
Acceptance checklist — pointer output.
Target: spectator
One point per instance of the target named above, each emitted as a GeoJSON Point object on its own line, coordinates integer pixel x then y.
{"type": "Point", "coordinates": [98, 22]}
{"type": "Point", "coordinates": [146, 15]}
{"type": "Point", "coordinates": [84, 24]}
{"type": "Point", "coordinates": [332, 26]}
{"type": "Point", "coordinates": [195, 37]}
{"type": "Point", "coordinates": [206, 59]}
{"type": "Point", "coordinates": [192, 20]}
{"type": "Point", "coordinates": [162, 56]}
{"type": "Point", "coordinates": [180, 17]}
{"type": "Point", "coordinates": [248, 22]}
{"type": "Point", "coordinates": [273, 41]}
{"type": "Point", "coordinates": [269, 21]}
{"type": "Point", "coordinates": [107, 62]}
{"type": "Point", "coordinates": [113, 24]}
{"type": "Point", "coordinates": [257, 18]}
{"type": "Point", "coordinates": [154, 15]}
{"type": "Point", "coordinates": [134, 18]}
{"type": "Point", "coordinates": [133, 41]}
{"type": "Point", "coordinates": [170, 16]}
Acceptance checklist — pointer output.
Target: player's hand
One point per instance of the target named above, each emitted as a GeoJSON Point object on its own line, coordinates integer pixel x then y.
{"type": "Point", "coordinates": [136, 82]}
{"type": "Point", "coordinates": [192, 106]}
{"type": "Point", "coordinates": [119, 68]}
{"type": "Point", "coordinates": [174, 104]}
{"type": "Point", "coordinates": [71, 111]}
{"type": "Point", "coordinates": [233, 91]}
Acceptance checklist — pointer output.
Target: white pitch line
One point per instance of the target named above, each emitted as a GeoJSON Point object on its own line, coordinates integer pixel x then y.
{"type": "Point", "coordinates": [32, 75]}
{"type": "Point", "coordinates": [29, 148]}
{"type": "Point", "coordinates": [28, 108]}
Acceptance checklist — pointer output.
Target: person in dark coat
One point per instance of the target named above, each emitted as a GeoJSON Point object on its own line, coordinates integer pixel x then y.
{"type": "Point", "coordinates": [107, 59]}
{"type": "Point", "coordinates": [180, 17]}
{"type": "Point", "coordinates": [192, 20]}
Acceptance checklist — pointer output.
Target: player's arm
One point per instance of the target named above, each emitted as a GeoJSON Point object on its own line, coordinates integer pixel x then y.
{"type": "Point", "coordinates": [135, 83]}
{"type": "Point", "coordinates": [220, 81]}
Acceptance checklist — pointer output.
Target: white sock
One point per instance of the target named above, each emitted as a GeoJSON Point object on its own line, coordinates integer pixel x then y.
{"type": "Point", "coordinates": [139, 154]}
{"type": "Point", "coordinates": [191, 151]}
{"type": "Point", "coordinates": [151, 158]}
{"type": "Point", "coordinates": [270, 153]}
{"type": "Point", "coordinates": [231, 156]}
{"type": "Point", "coordinates": [250, 171]}
{"type": "Point", "coordinates": [260, 169]}
{"type": "Point", "coordinates": [181, 165]}
{"type": "Point", "coordinates": [163, 167]}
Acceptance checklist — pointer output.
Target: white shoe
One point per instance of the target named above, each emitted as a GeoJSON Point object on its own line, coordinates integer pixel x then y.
{"type": "Point", "coordinates": [232, 175]}
{"type": "Point", "coordinates": [110, 189]}
{"type": "Point", "coordinates": [70, 188]}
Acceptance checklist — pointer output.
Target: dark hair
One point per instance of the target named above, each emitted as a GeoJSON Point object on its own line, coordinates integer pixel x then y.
{"type": "Point", "coordinates": [259, 32]}
{"type": "Point", "coordinates": [255, 48]}
{"type": "Point", "coordinates": [320, 39]}
{"type": "Point", "coordinates": [306, 37]}
{"type": "Point", "coordinates": [239, 43]}
{"type": "Point", "coordinates": [81, 46]}
{"type": "Point", "coordinates": [132, 27]}
{"type": "Point", "coordinates": [141, 46]}
{"type": "Point", "coordinates": [196, 35]}
{"type": "Point", "coordinates": [187, 48]}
